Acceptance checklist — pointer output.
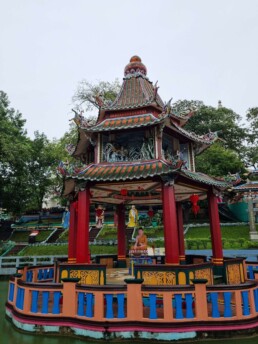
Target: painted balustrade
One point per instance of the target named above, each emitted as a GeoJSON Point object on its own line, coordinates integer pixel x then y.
{"type": "Point", "coordinates": [132, 301]}
{"type": "Point", "coordinates": [252, 270]}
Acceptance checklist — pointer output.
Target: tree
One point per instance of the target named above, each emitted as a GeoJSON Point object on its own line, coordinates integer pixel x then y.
{"type": "Point", "coordinates": [87, 93]}
{"type": "Point", "coordinates": [14, 152]}
{"type": "Point", "coordinates": [250, 154]}
{"type": "Point", "coordinates": [219, 161]}
{"type": "Point", "coordinates": [223, 120]}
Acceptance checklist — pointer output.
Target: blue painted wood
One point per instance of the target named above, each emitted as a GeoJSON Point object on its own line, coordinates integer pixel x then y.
{"type": "Point", "coordinates": [45, 299]}
{"type": "Point", "coordinates": [45, 273]}
{"type": "Point", "coordinates": [40, 274]}
{"type": "Point", "coordinates": [18, 297]}
{"type": "Point", "coordinates": [34, 301]}
{"type": "Point", "coordinates": [51, 273]}
{"type": "Point", "coordinates": [109, 306]}
{"type": "Point", "coordinates": [227, 304]}
{"type": "Point", "coordinates": [245, 301]}
{"type": "Point", "coordinates": [189, 306]}
{"type": "Point", "coordinates": [214, 305]}
{"type": "Point", "coordinates": [56, 302]}
{"type": "Point", "coordinates": [153, 306]}
{"type": "Point", "coordinates": [89, 305]}
{"type": "Point", "coordinates": [256, 299]}
{"type": "Point", "coordinates": [80, 310]}
{"type": "Point", "coordinates": [30, 276]}
{"type": "Point", "coordinates": [121, 305]}
{"type": "Point", "coordinates": [11, 292]}
{"type": "Point", "coordinates": [178, 305]}
{"type": "Point", "coordinates": [251, 272]}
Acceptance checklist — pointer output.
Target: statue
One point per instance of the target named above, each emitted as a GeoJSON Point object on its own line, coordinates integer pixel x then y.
{"type": "Point", "coordinates": [150, 214]}
{"type": "Point", "coordinates": [66, 218]}
{"type": "Point", "coordinates": [141, 241]}
{"type": "Point", "coordinates": [99, 216]}
{"type": "Point", "coordinates": [133, 217]}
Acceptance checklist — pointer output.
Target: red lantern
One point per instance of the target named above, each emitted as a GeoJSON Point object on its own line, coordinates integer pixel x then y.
{"type": "Point", "coordinates": [123, 192]}
{"type": "Point", "coordinates": [195, 207]}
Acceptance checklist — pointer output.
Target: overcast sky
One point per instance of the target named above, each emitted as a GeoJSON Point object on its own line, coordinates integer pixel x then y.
{"type": "Point", "coordinates": [197, 49]}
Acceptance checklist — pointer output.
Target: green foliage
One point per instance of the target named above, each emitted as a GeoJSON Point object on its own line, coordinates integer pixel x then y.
{"type": "Point", "coordinates": [87, 92]}
{"type": "Point", "coordinates": [107, 233]}
{"type": "Point", "coordinates": [224, 121]}
{"type": "Point", "coordinates": [23, 236]}
{"type": "Point", "coordinates": [250, 154]}
{"type": "Point", "coordinates": [219, 161]}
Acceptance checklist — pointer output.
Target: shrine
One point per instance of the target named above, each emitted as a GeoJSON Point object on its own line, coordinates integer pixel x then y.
{"type": "Point", "coordinates": [137, 153]}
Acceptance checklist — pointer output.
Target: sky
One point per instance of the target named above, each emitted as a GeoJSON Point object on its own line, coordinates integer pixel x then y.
{"type": "Point", "coordinates": [197, 49]}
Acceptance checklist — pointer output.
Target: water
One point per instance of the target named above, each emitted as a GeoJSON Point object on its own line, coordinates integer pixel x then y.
{"type": "Point", "coordinates": [9, 335]}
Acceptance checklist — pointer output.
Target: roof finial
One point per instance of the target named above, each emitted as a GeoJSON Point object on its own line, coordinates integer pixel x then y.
{"type": "Point", "coordinates": [219, 104]}
{"type": "Point", "coordinates": [135, 66]}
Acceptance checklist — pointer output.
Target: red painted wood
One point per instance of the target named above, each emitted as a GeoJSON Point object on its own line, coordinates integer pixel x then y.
{"type": "Point", "coordinates": [72, 231]}
{"type": "Point", "coordinates": [82, 247]}
{"type": "Point", "coordinates": [121, 233]}
{"type": "Point", "coordinates": [215, 229]}
{"type": "Point", "coordinates": [170, 224]}
{"type": "Point", "coordinates": [180, 224]}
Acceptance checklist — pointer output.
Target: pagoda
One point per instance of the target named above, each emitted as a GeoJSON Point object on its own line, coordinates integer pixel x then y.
{"type": "Point", "coordinates": [138, 152]}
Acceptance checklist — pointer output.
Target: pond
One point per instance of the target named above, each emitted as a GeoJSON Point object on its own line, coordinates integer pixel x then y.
{"type": "Point", "coordinates": [11, 336]}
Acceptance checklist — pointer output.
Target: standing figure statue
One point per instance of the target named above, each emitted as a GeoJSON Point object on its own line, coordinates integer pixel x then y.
{"type": "Point", "coordinates": [99, 216]}
{"type": "Point", "coordinates": [133, 217]}
{"type": "Point", "coordinates": [66, 218]}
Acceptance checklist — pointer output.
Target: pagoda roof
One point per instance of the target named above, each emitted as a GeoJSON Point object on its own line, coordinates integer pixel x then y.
{"type": "Point", "coordinates": [109, 172]}
{"type": "Point", "coordinates": [253, 186]}
{"type": "Point", "coordinates": [136, 91]}
{"type": "Point", "coordinates": [126, 122]}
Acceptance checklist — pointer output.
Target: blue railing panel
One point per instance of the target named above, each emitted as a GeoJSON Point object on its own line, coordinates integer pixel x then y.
{"type": "Point", "coordinates": [45, 299]}
{"type": "Point", "coordinates": [34, 301]}
{"type": "Point", "coordinates": [179, 306]}
{"type": "Point", "coordinates": [214, 305]}
{"type": "Point", "coordinates": [89, 305]}
{"type": "Point", "coordinates": [153, 305]}
{"type": "Point", "coordinates": [256, 299]}
{"type": "Point", "coordinates": [189, 306]}
{"type": "Point", "coordinates": [20, 298]}
{"type": "Point", "coordinates": [81, 297]}
{"type": "Point", "coordinates": [227, 304]}
{"type": "Point", "coordinates": [11, 292]}
{"type": "Point", "coordinates": [109, 306]}
{"type": "Point", "coordinates": [121, 305]}
{"type": "Point", "coordinates": [245, 300]}
{"type": "Point", "coordinates": [56, 302]}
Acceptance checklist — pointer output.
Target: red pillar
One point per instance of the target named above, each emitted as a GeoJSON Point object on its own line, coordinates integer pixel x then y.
{"type": "Point", "coordinates": [215, 229]}
{"type": "Point", "coordinates": [121, 236]}
{"type": "Point", "coordinates": [82, 247]}
{"type": "Point", "coordinates": [170, 224]}
{"type": "Point", "coordinates": [72, 233]}
{"type": "Point", "coordinates": [180, 225]}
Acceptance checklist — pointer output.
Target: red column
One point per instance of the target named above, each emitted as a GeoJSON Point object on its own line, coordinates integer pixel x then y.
{"type": "Point", "coordinates": [121, 236]}
{"type": "Point", "coordinates": [180, 225]}
{"type": "Point", "coordinates": [72, 233]}
{"type": "Point", "coordinates": [82, 247]}
{"type": "Point", "coordinates": [170, 224]}
{"type": "Point", "coordinates": [215, 229]}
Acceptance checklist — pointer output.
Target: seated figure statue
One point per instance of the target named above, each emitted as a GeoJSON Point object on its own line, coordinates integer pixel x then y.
{"type": "Point", "coordinates": [141, 241]}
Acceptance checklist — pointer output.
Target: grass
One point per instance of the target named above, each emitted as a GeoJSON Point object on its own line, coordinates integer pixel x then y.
{"type": "Point", "coordinates": [228, 232]}
{"type": "Point", "coordinates": [107, 233]}
{"type": "Point", "coordinates": [23, 236]}
{"type": "Point", "coordinates": [53, 250]}
{"type": "Point", "coordinates": [64, 236]}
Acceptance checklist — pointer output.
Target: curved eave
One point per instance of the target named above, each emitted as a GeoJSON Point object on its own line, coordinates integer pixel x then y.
{"type": "Point", "coordinates": [82, 144]}
{"type": "Point", "coordinates": [128, 122]}
{"type": "Point", "coordinates": [204, 179]}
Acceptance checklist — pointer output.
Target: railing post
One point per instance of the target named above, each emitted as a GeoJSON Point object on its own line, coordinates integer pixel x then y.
{"type": "Point", "coordinates": [69, 297]}
{"type": "Point", "coordinates": [201, 306]}
{"type": "Point", "coordinates": [134, 299]}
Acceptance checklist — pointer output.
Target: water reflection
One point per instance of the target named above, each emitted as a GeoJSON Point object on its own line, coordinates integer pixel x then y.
{"type": "Point", "coordinates": [10, 335]}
